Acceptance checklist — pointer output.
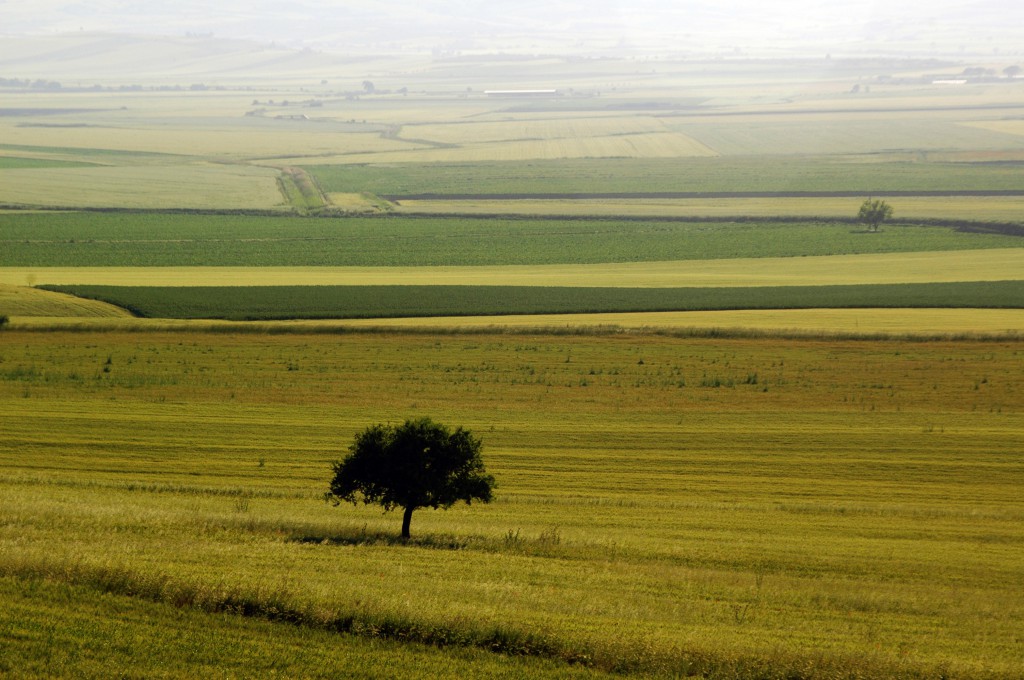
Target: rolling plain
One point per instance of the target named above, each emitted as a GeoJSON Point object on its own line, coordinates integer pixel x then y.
{"type": "Point", "coordinates": [816, 475]}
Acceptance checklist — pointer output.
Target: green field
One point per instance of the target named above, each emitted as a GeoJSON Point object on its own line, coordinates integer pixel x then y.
{"type": "Point", "coordinates": [347, 302]}
{"type": "Point", "coordinates": [602, 176]}
{"type": "Point", "coordinates": [725, 508]}
{"type": "Point", "coordinates": [160, 240]}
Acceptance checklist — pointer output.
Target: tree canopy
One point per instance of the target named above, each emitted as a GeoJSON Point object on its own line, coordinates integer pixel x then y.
{"type": "Point", "coordinates": [873, 213]}
{"type": "Point", "coordinates": [419, 464]}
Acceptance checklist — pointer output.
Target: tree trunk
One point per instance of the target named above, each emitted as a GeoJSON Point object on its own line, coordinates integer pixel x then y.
{"type": "Point", "coordinates": [406, 519]}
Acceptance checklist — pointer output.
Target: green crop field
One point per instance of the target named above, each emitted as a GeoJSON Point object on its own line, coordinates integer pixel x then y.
{"type": "Point", "coordinates": [602, 176]}
{"type": "Point", "coordinates": [153, 239]}
{"type": "Point", "coordinates": [714, 507]}
{"type": "Point", "coordinates": [319, 302]}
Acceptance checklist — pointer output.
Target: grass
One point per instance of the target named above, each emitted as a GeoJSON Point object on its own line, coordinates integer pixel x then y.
{"type": "Point", "coordinates": [56, 629]}
{"type": "Point", "coordinates": [153, 186]}
{"type": "Point", "coordinates": [17, 163]}
{"type": "Point", "coordinates": [966, 208]}
{"type": "Point", "coordinates": [825, 136]}
{"type": "Point", "coordinates": [599, 176]}
{"type": "Point", "coordinates": [319, 302]}
{"type": "Point", "coordinates": [732, 508]}
{"type": "Point", "coordinates": [33, 302]}
{"type": "Point", "coordinates": [85, 239]}
{"type": "Point", "coordinates": [877, 324]}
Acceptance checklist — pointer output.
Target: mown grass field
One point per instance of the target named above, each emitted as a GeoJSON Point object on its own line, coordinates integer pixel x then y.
{"type": "Point", "coordinates": [731, 508]}
{"type": "Point", "coordinates": [74, 631]}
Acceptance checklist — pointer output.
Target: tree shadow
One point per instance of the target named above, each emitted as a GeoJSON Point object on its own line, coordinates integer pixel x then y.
{"type": "Point", "coordinates": [356, 537]}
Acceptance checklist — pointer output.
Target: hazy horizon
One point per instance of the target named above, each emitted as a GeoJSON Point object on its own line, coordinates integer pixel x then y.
{"type": "Point", "coordinates": [929, 29]}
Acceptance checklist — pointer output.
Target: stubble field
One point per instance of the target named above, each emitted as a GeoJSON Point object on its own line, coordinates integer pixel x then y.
{"type": "Point", "coordinates": [665, 505]}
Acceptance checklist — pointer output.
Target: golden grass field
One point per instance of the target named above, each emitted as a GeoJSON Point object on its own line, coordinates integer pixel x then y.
{"type": "Point", "coordinates": [21, 301]}
{"type": "Point", "coordinates": [668, 506]}
{"type": "Point", "coordinates": [60, 313]}
{"type": "Point", "coordinates": [997, 264]}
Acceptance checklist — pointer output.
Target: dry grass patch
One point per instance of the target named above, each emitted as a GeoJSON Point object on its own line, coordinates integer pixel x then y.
{"type": "Point", "coordinates": [22, 301]}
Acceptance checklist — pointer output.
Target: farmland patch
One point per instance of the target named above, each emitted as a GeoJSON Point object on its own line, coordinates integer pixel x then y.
{"type": "Point", "coordinates": [149, 186]}
{"type": "Point", "coordinates": [129, 239]}
{"type": "Point", "coordinates": [671, 504]}
{"type": "Point", "coordinates": [315, 302]}
{"type": "Point", "coordinates": [631, 175]}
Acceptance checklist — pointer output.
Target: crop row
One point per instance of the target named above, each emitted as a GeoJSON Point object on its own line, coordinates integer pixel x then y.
{"type": "Point", "coordinates": [323, 302]}
{"type": "Point", "coordinates": [161, 239]}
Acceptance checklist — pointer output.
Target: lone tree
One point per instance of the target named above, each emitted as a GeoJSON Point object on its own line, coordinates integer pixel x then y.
{"type": "Point", "coordinates": [419, 464]}
{"type": "Point", "coordinates": [873, 213]}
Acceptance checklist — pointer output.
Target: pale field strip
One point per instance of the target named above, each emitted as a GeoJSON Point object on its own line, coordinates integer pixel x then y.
{"type": "Point", "coordinates": [997, 264]}
{"type": "Point", "coordinates": [653, 145]}
{"type": "Point", "coordinates": [515, 130]}
{"type": "Point", "coordinates": [894, 321]}
{"type": "Point", "coordinates": [275, 138]}
{"type": "Point", "coordinates": [1009, 127]}
{"type": "Point", "coordinates": [852, 136]}
{"type": "Point", "coordinates": [813, 321]}
{"type": "Point", "coordinates": [199, 185]}
{"type": "Point", "coordinates": [974, 208]}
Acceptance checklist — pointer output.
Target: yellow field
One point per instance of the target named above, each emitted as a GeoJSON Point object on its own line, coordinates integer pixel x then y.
{"type": "Point", "coordinates": [813, 321]}
{"type": "Point", "coordinates": [22, 301]}
{"type": "Point", "coordinates": [997, 264]}
{"type": "Point", "coordinates": [255, 139]}
{"type": "Point", "coordinates": [1001, 208]}
{"type": "Point", "coordinates": [896, 322]}
{"type": "Point", "coordinates": [189, 185]}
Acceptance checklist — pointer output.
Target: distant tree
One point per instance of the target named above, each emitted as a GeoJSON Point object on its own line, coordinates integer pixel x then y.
{"type": "Point", "coordinates": [419, 464]}
{"type": "Point", "coordinates": [3, 320]}
{"type": "Point", "coordinates": [369, 87]}
{"type": "Point", "coordinates": [873, 213]}
{"type": "Point", "coordinates": [1012, 71]}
